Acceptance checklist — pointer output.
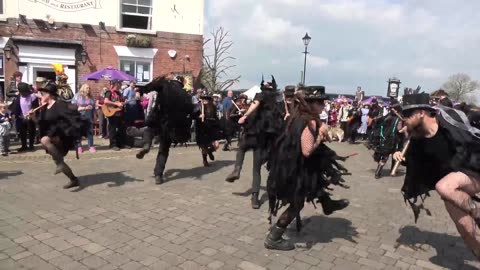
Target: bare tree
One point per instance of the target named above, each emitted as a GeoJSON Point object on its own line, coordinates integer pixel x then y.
{"type": "Point", "coordinates": [217, 62]}
{"type": "Point", "coordinates": [460, 86]}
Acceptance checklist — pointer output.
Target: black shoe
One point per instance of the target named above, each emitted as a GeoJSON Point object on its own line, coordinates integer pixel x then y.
{"type": "Point", "coordinates": [22, 149]}
{"type": "Point", "coordinates": [235, 175]}
{"type": "Point", "coordinates": [255, 201]}
{"type": "Point", "coordinates": [142, 153]}
{"type": "Point", "coordinates": [205, 163]}
{"type": "Point", "coordinates": [73, 183]}
{"type": "Point", "coordinates": [115, 148]}
{"type": "Point", "coordinates": [226, 147]}
{"type": "Point", "coordinates": [31, 148]}
{"type": "Point", "coordinates": [5, 154]}
{"type": "Point", "coordinates": [127, 147]}
{"type": "Point", "coordinates": [159, 180]}
{"type": "Point", "coordinates": [329, 206]}
{"type": "Point", "coordinates": [275, 240]}
{"type": "Point", "coordinates": [211, 156]}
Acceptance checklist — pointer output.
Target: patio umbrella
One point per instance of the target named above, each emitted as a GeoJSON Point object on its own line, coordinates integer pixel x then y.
{"type": "Point", "coordinates": [109, 74]}
{"type": "Point", "coordinates": [370, 100]}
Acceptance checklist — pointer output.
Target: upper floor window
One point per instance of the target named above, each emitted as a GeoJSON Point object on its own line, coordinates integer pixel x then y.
{"type": "Point", "coordinates": [136, 14]}
{"type": "Point", "coordinates": [2, 7]}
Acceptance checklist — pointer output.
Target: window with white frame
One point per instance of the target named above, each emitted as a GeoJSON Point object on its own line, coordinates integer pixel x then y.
{"type": "Point", "coordinates": [136, 14]}
{"type": "Point", "coordinates": [140, 69]}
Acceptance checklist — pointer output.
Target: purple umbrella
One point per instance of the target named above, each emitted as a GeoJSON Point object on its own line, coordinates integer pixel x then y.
{"type": "Point", "coordinates": [109, 74]}
{"type": "Point", "coordinates": [370, 100]}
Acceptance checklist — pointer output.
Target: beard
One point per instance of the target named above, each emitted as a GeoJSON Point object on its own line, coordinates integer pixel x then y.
{"type": "Point", "coordinates": [416, 131]}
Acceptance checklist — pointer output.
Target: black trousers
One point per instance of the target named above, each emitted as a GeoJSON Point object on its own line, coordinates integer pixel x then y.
{"type": "Point", "coordinates": [116, 131]}
{"type": "Point", "coordinates": [27, 129]}
{"type": "Point", "coordinates": [162, 156]}
{"type": "Point", "coordinates": [257, 165]}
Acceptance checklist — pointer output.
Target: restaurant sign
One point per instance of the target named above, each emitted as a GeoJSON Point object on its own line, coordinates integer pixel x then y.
{"type": "Point", "coordinates": [70, 6]}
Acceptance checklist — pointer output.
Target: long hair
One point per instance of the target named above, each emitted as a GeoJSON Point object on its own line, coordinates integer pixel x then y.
{"type": "Point", "coordinates": [303, 109]}
{"type": "Point", "coordinates": [85, 91]}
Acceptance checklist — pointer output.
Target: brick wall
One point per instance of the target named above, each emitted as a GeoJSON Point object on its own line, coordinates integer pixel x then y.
{"type": "Point", "coordinates": [99, 46]}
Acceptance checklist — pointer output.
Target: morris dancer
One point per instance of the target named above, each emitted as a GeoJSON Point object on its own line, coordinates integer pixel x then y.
{"type": "Point", "coordinates": [60, 128]}
{"type": "Point", "coordinates": [170, 118]}
{"type": "Point", "coordinates": [301, 167]}
{"type": "Point", "coordinates": [387, 138]}
{"type": "Point", "coordinates": [232, 115]}
{"type": "Point", "coordinates": [443, 155]}
{"type": "Point", "coordinates": [208, 128]}
{"type": "Point", "coordinates": [264, 124]}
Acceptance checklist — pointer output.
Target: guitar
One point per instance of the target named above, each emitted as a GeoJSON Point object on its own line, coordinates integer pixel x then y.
{"type": "Point", "coordinates": [110, 110]}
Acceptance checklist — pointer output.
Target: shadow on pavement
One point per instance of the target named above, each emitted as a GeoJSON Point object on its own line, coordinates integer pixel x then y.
{"type": "Point", "coordinates": [248, 192]}
{"type": "Point", "coordinates": [115, 179]}
{"type": "Point", "coordinates": [450, 249]}
{"type": "Point", "coordinates": [321, 229]}
{"type": "Point", "coordinates": [198, 172]}
{"type": "Point", "coordinates": [6, 175]}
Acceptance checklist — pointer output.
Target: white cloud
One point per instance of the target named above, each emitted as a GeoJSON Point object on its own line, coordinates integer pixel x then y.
{"type": "Point", "coordinates": [361, 42]}
{"type": "Point", "coordinates": [427, 73]}
{"type": "Point", "coordinates": [316, 61]}
{"type": "Point", "coordinates": [263, 27]}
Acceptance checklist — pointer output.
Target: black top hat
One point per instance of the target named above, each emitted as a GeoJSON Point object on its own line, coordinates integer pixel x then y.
{"type": "Point", "coordinates": [315, 93]}
{"type": "Point", "coordinates": [206, 95]}
{"type": "Point", "coordinates": [50, 89]}
{"type": "Point", "coordinates": [289, 90]}
{"type": "Point", "coordinates": [416, 101]}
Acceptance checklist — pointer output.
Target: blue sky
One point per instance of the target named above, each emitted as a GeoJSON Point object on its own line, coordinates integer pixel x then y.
{"type": "Point", "coordinates": [354, 42]}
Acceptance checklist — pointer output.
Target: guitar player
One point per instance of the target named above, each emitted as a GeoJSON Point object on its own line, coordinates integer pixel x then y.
{"type": "Point", "coordinates": [116, 123]}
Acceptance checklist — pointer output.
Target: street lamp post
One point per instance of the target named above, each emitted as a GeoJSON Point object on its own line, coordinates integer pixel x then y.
{"type": "Point", "coordinates": [306, 40]}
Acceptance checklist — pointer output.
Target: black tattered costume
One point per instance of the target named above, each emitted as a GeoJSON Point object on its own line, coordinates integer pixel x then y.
{"type": "Point", "coordinates": [386, 138]}
{"type": "Point", "coordinates": [454, 148]}
{"type": "Point", "coordinates": [208, 128]}
{"type": "Point", "coordinates": [295, 178]}
{"type": "Point", "coordinates": [261, 130]}
{"type": "Point", "coordinates": [170, 119]}
{"type": "Point", "coordinates": [62, 124]}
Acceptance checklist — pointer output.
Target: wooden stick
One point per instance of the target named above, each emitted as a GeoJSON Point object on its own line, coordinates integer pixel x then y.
{"type": "Point", "coordinates": [397, 163]}
{"type": "Point", "coordinates": [34, 110]}
{"type": "Point", "coordinates": [203, 112]}
{"type": "Point", "coordinates": [287, 113]}
{"type": "Point", "coordinates": [236, 106]}
{"type": "Point", "coordinates": [398, 115]}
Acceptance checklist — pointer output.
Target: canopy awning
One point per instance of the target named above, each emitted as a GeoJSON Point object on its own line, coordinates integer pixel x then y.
{"type": "Point", "coordinates": [46, 55]}
{"type": "Point", "coordinates": [3, 42]}
{"type": "Point", "coordinates": [146, 53]}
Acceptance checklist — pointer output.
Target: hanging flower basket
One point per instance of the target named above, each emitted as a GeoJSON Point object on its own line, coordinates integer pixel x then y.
{"type": "Point", "coordinates": [139, 41]}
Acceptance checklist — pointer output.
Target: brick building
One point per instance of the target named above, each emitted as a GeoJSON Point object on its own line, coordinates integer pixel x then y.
{"type": "Point", "coordinates": [144, 38]}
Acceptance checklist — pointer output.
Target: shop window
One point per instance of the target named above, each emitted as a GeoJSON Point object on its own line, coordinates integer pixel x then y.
{"type": "Point", "coordinates": [136, 14]}
{"type": "Point", "coordinates": [140, 69]}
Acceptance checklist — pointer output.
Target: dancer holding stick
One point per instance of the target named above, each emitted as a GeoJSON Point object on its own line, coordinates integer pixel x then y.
{"type": "Point", "coordinates": [441, 156]}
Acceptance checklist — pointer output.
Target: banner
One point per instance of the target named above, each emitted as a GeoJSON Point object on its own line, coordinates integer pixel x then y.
{"type": "Point", "coordinates": [72, 6]}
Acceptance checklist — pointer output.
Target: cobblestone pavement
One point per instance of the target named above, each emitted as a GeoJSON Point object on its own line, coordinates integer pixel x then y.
{"type": "Point", "coordinates": [118, 219]}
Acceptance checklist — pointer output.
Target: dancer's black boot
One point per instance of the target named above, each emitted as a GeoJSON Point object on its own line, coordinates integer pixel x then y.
{"type": "Point", "coordinates": [329, 206]}
{"type": "Point", "coordinates": [73, 183]}
{"type": "Point", "coordinates": [205, 161]}
{"type": "Point", "coordinates": [235, 175]}
{"type": "Point", "coordinates": [275, 240]}
{"type": "Point", "coordinates": [378, 172]}
{"type": "Point", "coordinates": [159, 180]}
